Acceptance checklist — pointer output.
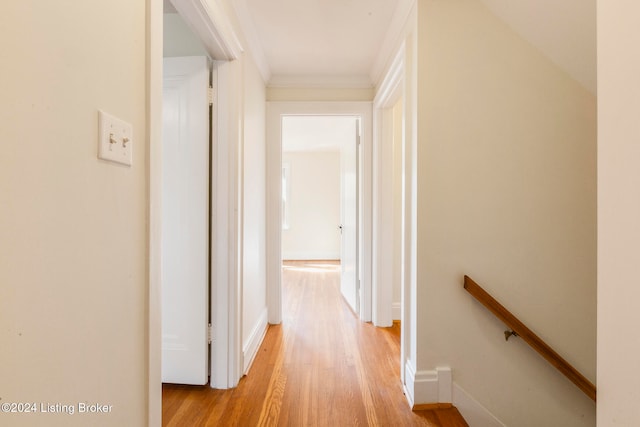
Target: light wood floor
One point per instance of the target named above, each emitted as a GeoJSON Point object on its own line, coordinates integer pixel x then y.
{"type": "Point", "coordinates": [321, 367]}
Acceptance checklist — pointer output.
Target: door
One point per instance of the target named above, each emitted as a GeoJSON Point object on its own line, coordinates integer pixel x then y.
{"type": "Point", "coordinates": [185, 221]}
{"type": "Point", "coordinates": [349, 284]}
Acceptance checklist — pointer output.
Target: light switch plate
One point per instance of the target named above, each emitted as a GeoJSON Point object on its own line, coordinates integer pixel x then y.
{"type": "Point", "coordinates": [115, 139]}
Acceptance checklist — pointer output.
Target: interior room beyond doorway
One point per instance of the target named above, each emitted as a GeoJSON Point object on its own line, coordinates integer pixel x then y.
{"type": "Point", "coordinates": [320, 194]}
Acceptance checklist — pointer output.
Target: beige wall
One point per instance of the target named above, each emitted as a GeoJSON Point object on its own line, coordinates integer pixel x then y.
{"type": "Point", "coordinates": [506, 194]}
{"type": "Point", "coordinates": [618, 213]}
{"type": "Point", "coordinates": [314, 214]}
{"type": "Point", "coordinates": [73, 238]}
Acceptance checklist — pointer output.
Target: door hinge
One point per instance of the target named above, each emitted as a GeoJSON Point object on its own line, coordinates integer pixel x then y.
{"type": "Point", "coordinates": [210, 95]}
{"type": "Point", "coordinates": [210, 333]}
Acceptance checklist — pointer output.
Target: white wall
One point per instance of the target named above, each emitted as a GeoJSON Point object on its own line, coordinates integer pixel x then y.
{"type": "Point", "coordinates": [506, 194]}
{"type": "Point", "coordinates": [73, 240]}
{"type": "Point", "coordinates": [618, 213]}
{"type": "Point", "coordinates": [178, 39]}
{"type": "Point", "coordinates": [254, 302]}
{"type": "Point", "coordinates": [314, 214]}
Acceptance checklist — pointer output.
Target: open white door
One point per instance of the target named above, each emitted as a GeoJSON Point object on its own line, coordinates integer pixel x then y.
{"type": "Point", "coordinates": [349, 214]}
{"type": "Point", "coordinates": [185, 221]}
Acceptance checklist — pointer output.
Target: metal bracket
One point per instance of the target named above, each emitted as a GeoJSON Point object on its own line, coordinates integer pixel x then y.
{"type": "Point", "coordinates": [509, 334]}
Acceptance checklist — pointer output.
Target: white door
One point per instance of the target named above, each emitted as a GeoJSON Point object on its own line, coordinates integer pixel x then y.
{"type": "Point", "coordinates": [349, 285]}
{"type": "Point", "coordinates": [185, 221]}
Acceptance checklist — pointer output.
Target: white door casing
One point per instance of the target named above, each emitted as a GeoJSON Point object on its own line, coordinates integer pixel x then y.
{"type": "Point", "coordinates": [384, 245]}
{"type": "Point", "coordinates": [349, 220]}
{"type": "Point", "coordinates": [185, 226]}
{"type": "Point", "coordinates": [226, 237]}
{"type": "Point", "coordinates": [397, 84]}
{"type": "Point", "coordinates": [275, 112]}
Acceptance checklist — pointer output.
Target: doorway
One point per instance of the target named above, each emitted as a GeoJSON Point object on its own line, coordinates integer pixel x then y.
{"type": "Point", "coordinates": [357, 289]}
{"type": "Point", "coordinates": [197, 36]}
{"type": "Point", "coordinates": [320, 188]}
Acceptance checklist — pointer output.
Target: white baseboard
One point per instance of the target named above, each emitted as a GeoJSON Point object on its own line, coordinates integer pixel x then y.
{"type": "Point", "coordinates": [428, 387]}
{"type": "Point", "coordinates": [396, 311]}
{"type": "Point", "coordinates": [473, 412]}
{"type": "Point", "coordinates": [305, 256]}
{"type": "Point", "coordinates": [251, 346]}
{"type": "Point", "coordinates": [433, 387]}
{"type": "Point", "coordinates": [409, 380]}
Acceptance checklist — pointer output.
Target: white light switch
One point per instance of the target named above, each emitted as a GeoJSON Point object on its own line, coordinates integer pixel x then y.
{"type": "Point", "coordinates": [115, 140]}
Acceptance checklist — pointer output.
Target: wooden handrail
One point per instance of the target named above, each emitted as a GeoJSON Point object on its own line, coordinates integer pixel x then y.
{"type": "Point", "coordinates": [529, 337]}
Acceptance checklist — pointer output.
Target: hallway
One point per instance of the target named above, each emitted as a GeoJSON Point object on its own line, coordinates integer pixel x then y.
{"type": "Point", "coordinates": [320, 367]}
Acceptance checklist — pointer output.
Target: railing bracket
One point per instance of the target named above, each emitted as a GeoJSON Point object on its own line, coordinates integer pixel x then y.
{"type": "Point", "coordinates": [509, 334]}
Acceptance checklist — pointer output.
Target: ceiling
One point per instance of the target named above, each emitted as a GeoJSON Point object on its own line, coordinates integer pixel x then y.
{"type": "Point", "coordinates": [344, 42]}
{"type": "Point", "coordinates": [321, 42]}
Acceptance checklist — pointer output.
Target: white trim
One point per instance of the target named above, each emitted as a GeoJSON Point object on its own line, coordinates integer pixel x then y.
{"type": "Point", "coordinates": [252, 38]}
{"type": "Point", "coordinates": [286, 196]}
{"type": "Point", "coordinates": [321, 81]}
{"type": "Point", "coordinates": [226, 351]}
{"type": "Point", "coordinates": [425, 387]}
{"type": "Point", "coordinates": [154, 210]}
{"type": "Point", "coordinates": [383, 247]}
{"type": "Point", "coordinates": [445, 385]}
{"type": "Point", "coordinates": [275, 111]}
{"type": "Point", "coordinates": [251, 346]}
{"type": "Point", "coordinates": [409, 380]}
{"type": "Point", "coordinates": [430, 387]}
{"type": "Point", "coordinates": [209, 22]}
{"type": "Point", "coordinates": [390, 90]}
{"type": "Point", "coordinates": [274, 217]}
{"type": "Point", "coordinates": [472, 411]}
{"type": "Point", "coordinates": [396, 311]}
{"type": "Point", "coordinates": [392, 39]}
{"type": "Point", "coordinates": [392, 83]}
{"type": "Point", "coordinates": [314, 256]}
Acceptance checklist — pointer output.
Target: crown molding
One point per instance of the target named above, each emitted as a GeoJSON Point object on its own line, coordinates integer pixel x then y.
{"type": "Point", "coordinates": [394, 37]}
{"type": "Point", "coordinates": [247, 26]}
{"type": "Point", "coordinates": [210, 23]}
{"type": "Point", "coordinates": [320, 81]}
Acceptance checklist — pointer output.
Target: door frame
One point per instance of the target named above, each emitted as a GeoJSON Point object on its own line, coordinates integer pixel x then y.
{"type": "Point", "coordinates": [275, 111]}
{"type": "Point", "coordinates": [391, 90]}
{"type": "Point", "coordinates": [211, 24]}
{"type": "Point", "coordinates": [399, 81]}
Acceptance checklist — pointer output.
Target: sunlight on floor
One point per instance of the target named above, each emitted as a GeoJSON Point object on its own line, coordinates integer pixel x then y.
{"type": "Point", "coordinates": [312, 267]}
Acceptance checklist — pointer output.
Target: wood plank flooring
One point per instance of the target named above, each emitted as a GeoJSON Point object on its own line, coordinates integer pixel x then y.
{"type": "Point", "coordinates": [320, 367]}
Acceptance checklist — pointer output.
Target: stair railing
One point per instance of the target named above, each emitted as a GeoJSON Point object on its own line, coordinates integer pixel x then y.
{"type": "Point", "coordinates": [518, 329]}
